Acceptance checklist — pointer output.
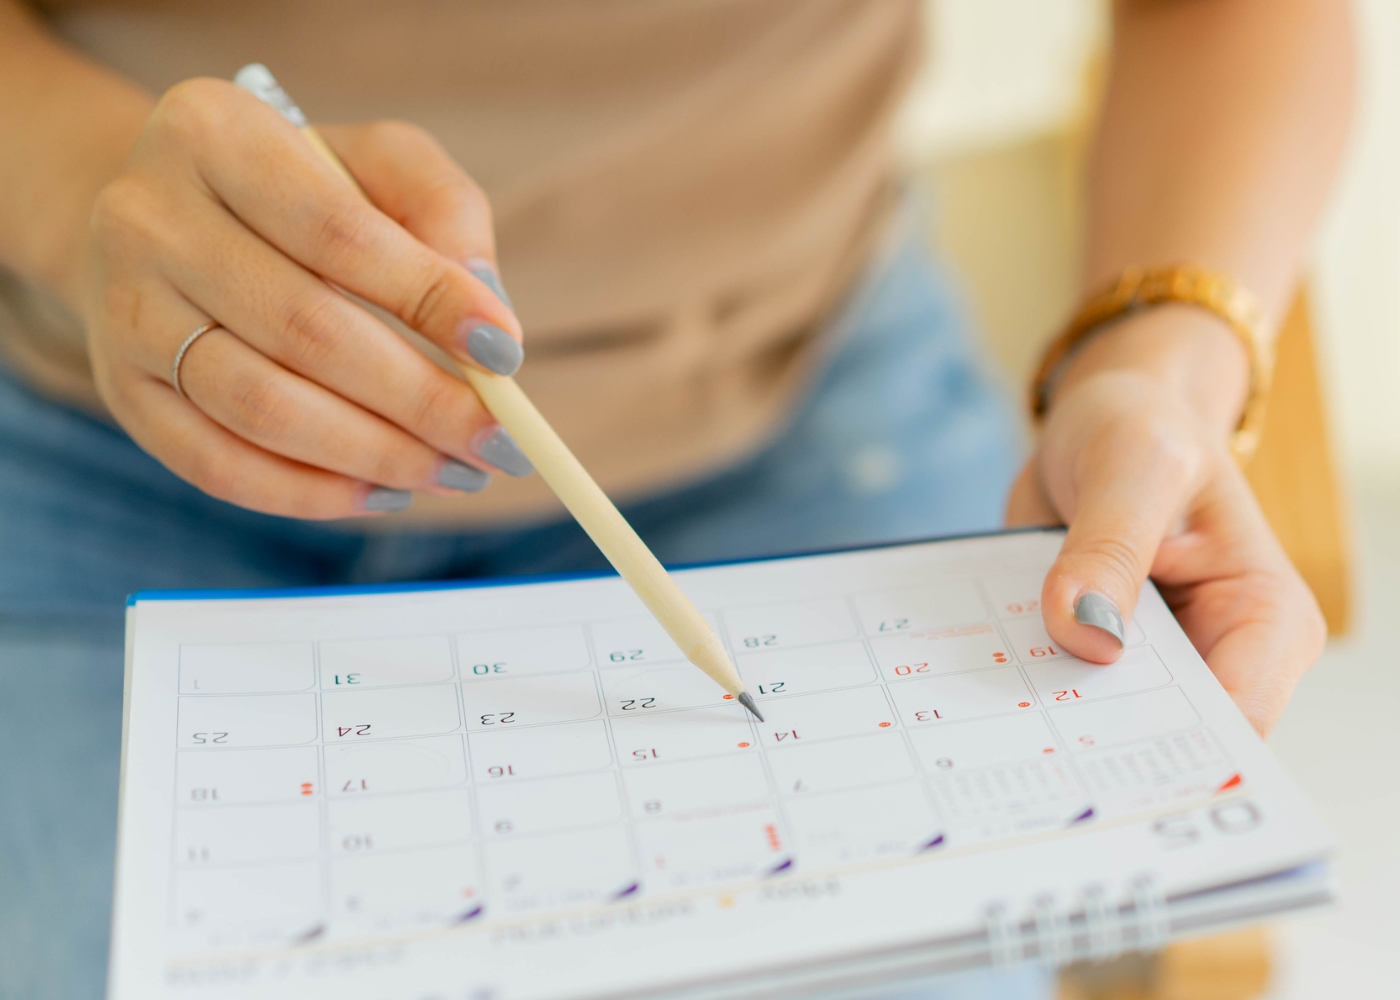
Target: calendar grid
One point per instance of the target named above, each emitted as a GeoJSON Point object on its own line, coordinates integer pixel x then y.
{"type": "Point", "coordinates": [890, 717]}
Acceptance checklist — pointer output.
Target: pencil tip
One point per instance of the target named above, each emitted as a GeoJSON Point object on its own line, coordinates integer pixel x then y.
{"type": "Point", "coordinates": [746, 700]}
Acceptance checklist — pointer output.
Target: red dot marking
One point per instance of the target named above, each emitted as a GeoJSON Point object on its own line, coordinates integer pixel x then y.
{"type": "Point", "coordinates": [1048, 750]}
{"type": "Point", "coordinates": [742, 745]}
{"type": "Point", "coordinates": [306, 788]}
{"type": "Point", "coordinates": [1023, 704]}
{"type": "Point", "coordinates": [884, 725]}
{"type": "Point", "coordinates": [728, 697]}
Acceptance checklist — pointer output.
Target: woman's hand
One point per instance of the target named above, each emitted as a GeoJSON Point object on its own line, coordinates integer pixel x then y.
{"type": "Point", "coordinates": [1134, 458]}
{"type": "Point", "coordinates": [302, 403]}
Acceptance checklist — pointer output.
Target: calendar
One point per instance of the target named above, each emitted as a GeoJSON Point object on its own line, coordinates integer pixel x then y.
{"type": "Point", "coordinates": [520, 789]}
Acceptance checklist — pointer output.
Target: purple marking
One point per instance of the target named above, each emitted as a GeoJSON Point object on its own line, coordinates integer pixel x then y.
{"type": "Point", "coordinates": [308, 936]}
{"type": "Point", "coordinates": [1087, 814]}
{"type": "Point", "coordinates": [782, 867]}
{"type": "Point", "coordinates": [471, 914]}
{"type": "Point", "coordinates": [935, 842]}
{"type": "Point", "coordinates": [634, 887]}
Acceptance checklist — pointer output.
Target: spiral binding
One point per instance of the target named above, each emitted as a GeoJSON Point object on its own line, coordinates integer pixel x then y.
{"type": "Point", "coordinates": [1091, 927]}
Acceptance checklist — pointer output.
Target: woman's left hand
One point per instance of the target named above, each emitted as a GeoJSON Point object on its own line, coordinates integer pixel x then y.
{"type": "Point", "coordinates": [1134, 457]}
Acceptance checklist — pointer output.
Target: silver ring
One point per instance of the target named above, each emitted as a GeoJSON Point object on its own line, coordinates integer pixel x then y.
{"type": "Point", "coordinates": [180, 356]}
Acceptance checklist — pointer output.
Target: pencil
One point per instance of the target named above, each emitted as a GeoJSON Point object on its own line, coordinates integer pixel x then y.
{"type": "Point", "coordinates": [564, 473]}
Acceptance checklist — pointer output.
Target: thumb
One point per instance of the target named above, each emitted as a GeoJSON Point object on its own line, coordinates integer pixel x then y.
{"type": "Point", "coordinates": [1125, 508]}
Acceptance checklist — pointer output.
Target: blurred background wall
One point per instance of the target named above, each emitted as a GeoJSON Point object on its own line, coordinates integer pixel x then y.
{"type": "Point", "coordinates": [993, 134]}
{"type": "Point", "coordinates": [994, 129]}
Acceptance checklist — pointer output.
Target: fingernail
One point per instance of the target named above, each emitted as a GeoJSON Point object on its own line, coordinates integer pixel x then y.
{"type": "Point", "coordinates": [1098, 611]}
{"type": "Point", "coordinates": [500, 450]}
{"type": "Point", "coordinates": [493, 348]}
{"type": "Point", "coordinates": [487, 276]}
{"type": "Point", "coordinates": [462, 477]}
{"type": "Point", "coordinates": [382, 498]}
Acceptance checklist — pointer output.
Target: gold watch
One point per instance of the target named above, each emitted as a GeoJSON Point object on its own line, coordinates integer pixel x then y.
{"type": "Point", "coordinates": [1143, 288]}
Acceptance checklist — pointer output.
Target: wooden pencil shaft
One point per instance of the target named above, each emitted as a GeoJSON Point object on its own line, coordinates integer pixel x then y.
{"type": "Point", "coordinates": [589, 505]}
{"type": "Point", "coordinates": [604, 523]}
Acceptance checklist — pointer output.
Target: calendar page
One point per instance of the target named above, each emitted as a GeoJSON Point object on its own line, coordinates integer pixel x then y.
{"type": "Point", "coordinates": [521, 790]}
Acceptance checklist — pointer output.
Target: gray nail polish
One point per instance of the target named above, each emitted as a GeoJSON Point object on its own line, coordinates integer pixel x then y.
{"type": "Point", "coordinates": [502, 452]}
{"type": "Point", "coordinates": [462, 477]}
{"type": "Point", "coordinates": [494, 349]}
{"type": "Point", "coordinates": [1100, 612]}
{"type": "Point", "coordinates": [382, 498]}
{"type": "Point", "coordinates": [492, 281]}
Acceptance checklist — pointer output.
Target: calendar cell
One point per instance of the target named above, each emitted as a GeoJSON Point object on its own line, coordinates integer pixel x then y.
{"type": "Point", "coordinates": [962, 696]}
{"type": "Point", "coordinates": [672, 736]}
{"type": "Point", "coordinates": [1069, 680]}
{"type": "Point", "coordinates": [812, 717]}
{"type": "Point", "coordinates": [1116, 721]}
{"type": "Point", "coordinates": [575, 868]}
{"type": "Point", "coordinates": [395, 766]}
{"type": "Point", "coordinates": [696, 787]}
{"type": "Point", "coordinates": [837, 765]}
{"type": "Point", "coordinates": [801, 623]}
{"type": "Point", "coordinates": [411, 889]}
{"type": "Point", "coordinates": [528, 701]}
{"type": "Point", "coordinates": [246, 668]}
{"type": "Point", "coordinates": [366, 663]}
{"type": "Point", "coordinates": [244, 776]}
{"type": "Point", "coordinates": [282, 831]}
{"type": "Point", "coordinates": [548, 649]}
{"type": "Point", "coordinates": [549, 805]}
{"type": "Point", "coordinates": [1015, 595]}
{"type": "Point", "coordinates": [250, 905]}
{"type": "Point", "coordinates": [629, 641]}
{"type": "Point", "coordinates": [799, 671]}
{"type": "Point", "coordinates": [376, 823]}
{"type": "Point", "coordinates": [1001, 740]}
{"type": "Point", "coordinates": [385, 713]}
{"type": "Point", "coordinates": [1008, 800]}
{"type": "Point", "coordinates": [250, 720]}
{"type": "Point", "coordinates": [1169, 769]}
{"type": "Point", "coordinates": [1033, 644]}
{"type": "Point", "coordinates": [846, 827]}
{"type": "Point", "coordinates": [917, 608]}
{"type": "Point", "coordinates": [930, 652]}
{"type": "Point", "coordinates": [644, 690]}
{"type": "Point", "coordinates": [504, 754]}
{"type": "Point", "coordinates": [704, 851]}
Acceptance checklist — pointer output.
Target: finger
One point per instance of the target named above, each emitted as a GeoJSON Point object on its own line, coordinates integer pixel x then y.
{"type": "Point", "coordinates": [281, 412]}
{"type": "Point", "coordinates": [274, 181]}
{"type": "Point", "coordinates": [1237, 595]}
{"type": "Point", "coordinates": [1128, 497]}
{"type": "Point", "coordinates": [298, 321]}
{"type": "Point", "coordinates": [228, 468]}
{"type": "Point", "coordinates": [413, 181]}
{"type": "Point", "coordinates": [1028, 505]}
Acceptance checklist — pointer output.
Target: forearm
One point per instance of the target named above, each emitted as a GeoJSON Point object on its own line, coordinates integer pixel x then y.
{"type": "Point", "coordinates": [1222, 130]}
{"type": "Point", "coordinates": [69, 125]}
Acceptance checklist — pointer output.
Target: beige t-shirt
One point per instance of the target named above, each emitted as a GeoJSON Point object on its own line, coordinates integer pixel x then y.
{"type": "Point", "coordinates": [682, 190]}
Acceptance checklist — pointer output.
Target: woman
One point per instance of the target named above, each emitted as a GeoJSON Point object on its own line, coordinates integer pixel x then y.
{"type": "Point", "coordinates": [694, 204]}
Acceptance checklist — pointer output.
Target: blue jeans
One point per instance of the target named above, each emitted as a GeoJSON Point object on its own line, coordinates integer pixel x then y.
{"type": "Point", "coordinates": [903, 436]}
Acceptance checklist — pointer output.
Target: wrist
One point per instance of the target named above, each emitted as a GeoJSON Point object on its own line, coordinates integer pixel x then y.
{"type": "Point", "coordinates": [1189, 352]}
{"type": "Point", "coordinates": [65, 267]}
{"type": "Point", "coordinates": [78, 122]}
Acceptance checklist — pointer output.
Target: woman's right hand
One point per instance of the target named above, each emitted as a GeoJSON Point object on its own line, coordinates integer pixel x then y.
{"type": "Point", "coordinates": [302, 403]}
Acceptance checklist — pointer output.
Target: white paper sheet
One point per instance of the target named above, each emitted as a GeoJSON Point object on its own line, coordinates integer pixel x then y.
{"type": "Point", "coordinates": [522, 790]}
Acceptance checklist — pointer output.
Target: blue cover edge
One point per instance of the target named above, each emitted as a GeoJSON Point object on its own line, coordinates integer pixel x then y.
{"type": "Point", "coordinates": [408, 587]}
